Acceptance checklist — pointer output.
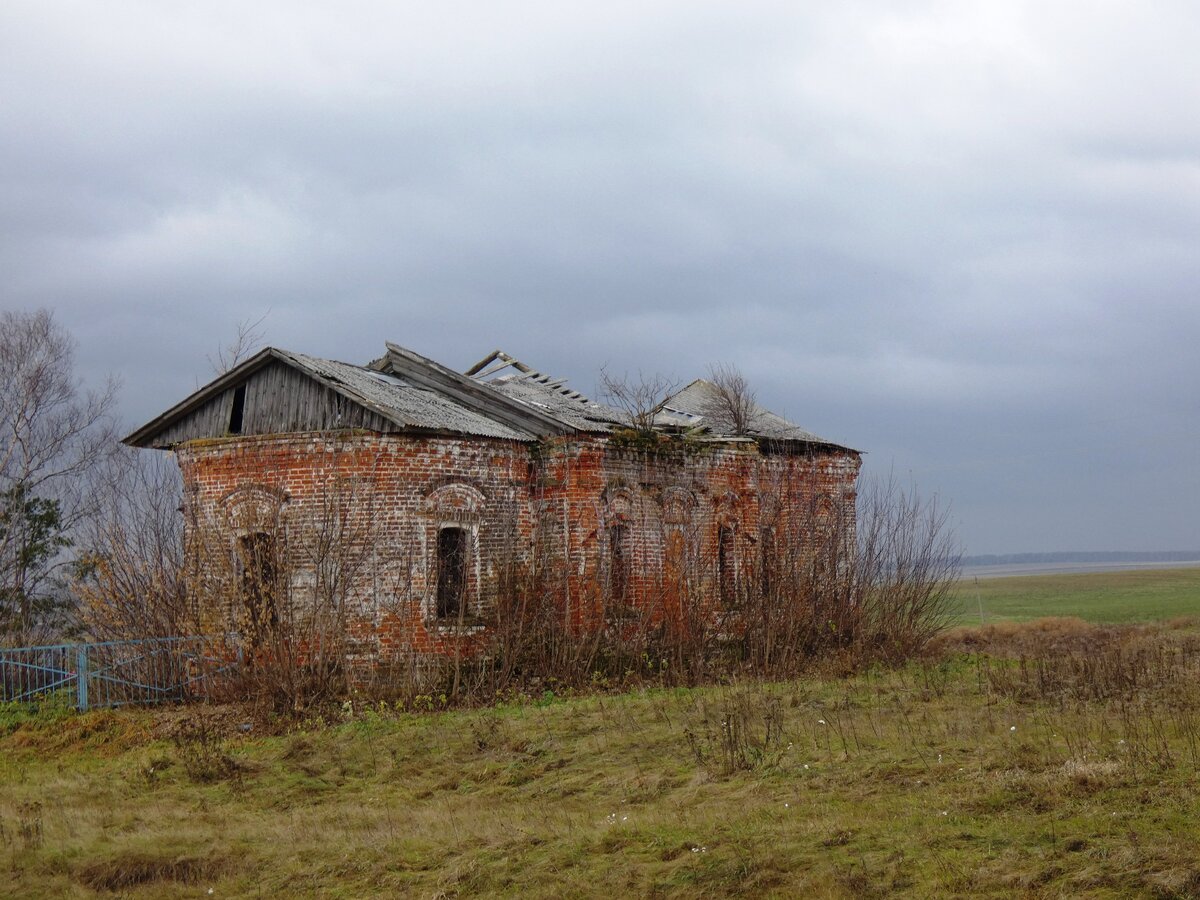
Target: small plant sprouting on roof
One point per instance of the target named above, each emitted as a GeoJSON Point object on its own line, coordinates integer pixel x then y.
{"type": "Point", "coordinates": [734, 402]}
{"type": "Point", "coordinates": [638, 398]}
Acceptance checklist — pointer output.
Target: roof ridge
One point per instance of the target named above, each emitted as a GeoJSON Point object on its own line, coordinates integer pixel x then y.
{"type": "Point", "coordinates": [470, 393]}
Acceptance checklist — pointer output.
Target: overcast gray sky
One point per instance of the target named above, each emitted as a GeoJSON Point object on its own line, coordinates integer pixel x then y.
{"type": "Point", "coordinates": [960, 236]}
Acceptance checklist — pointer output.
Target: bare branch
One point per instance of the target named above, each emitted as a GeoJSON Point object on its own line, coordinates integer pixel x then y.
{"type": "Point", "coordinates": [53, 437]}
{"type": "Point", "coordinates": [638, 398]}
{"type": "Point", "coordinates": [735, 405]}
{"type": "Point", "coordinates": [129, 574]}
{"type": "Point", "coordinates": [249, 339]}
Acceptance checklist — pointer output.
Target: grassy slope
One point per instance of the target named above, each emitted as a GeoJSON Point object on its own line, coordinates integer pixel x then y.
{"type": "Point", "coordinates": [1138, 596]}
{"type": "Point", "coordinates": [924, 781]}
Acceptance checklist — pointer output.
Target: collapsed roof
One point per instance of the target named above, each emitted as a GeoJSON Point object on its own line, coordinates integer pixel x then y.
{"type": "Point", "coordinates": [704, 405]}
{"type": "Point", "coordinates": [402, 391]}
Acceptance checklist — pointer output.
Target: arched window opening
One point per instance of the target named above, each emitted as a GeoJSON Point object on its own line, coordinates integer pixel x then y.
{"type": "Point", "coordinates": [452, 554]}
{"type": "Point", "coordinates": [259, 584]}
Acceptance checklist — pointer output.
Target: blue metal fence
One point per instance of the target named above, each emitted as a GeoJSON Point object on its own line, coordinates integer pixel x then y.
{"type": "Point", "coordinates": [115, 673]}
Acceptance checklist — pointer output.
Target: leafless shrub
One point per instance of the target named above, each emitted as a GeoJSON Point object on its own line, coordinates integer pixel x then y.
{"type": "Point", "coordinates": [201, 750]}
{"type": "Point", "coordinates": [128, 578]}
{"type": "Point", "coordinates": [319, 612]}
{"type": "Point", "coordinates": [735, 403]}
{"type": "Point", "coordinates": [803, 602]}
{"type": "Point", "coordinates": [905, 566]}
{"type": "Point", "coordinates": [819, 593]}
{"type": "Point", "coordinates": [638, 397]}
{"type": "Point", "coordinates": [286, 591]}
{"type": "Point", "coordinates": [843, 586]}
{"type": "Point", "coordinates": [744, 731]}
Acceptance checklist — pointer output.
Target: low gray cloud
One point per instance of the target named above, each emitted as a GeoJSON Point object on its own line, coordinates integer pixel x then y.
{"type": "Point", "coordinates": [959, 236]}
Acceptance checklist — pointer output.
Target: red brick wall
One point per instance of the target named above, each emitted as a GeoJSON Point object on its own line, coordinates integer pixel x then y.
{"type": "Point", "coordinates": [674, 502]}
{"type": "Point", "coordinates": [368, 507]}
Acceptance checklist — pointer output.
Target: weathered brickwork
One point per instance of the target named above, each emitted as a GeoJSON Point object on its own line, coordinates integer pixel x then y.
{"type": "Point", "coordinates": [355, 520]}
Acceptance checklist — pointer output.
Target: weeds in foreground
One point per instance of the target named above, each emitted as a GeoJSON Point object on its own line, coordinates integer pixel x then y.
{"type": "Point", "coordinates": [742, 732]}
{"type": "Point", "coordinates": [952, 774]}
{"type": "Point", "coordinates": [29, 824]}
{"type": "Point", "coordinates": [200, 748]}
{"type": "Point", "coordinates": [132, 870]}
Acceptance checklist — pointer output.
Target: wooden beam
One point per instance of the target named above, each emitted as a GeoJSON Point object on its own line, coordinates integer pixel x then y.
{"type": "Point", "coordinates": [480, 398]}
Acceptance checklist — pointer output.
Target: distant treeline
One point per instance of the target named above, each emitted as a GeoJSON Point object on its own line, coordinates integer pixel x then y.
{"type": "Point", "coordinates": [1100, 556]}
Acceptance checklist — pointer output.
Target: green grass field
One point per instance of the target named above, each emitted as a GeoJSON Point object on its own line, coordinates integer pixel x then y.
{"type": "Point", "coordinates": [1138, 596]}
{"type": "Point", "coordinates": [1050, 759]}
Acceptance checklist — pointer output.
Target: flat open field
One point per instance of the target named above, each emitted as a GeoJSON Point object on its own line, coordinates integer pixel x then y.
{"type": "Point", "coordinates": [1137, 596]}
{"type": "Point", "coordinates": [1048, 759]}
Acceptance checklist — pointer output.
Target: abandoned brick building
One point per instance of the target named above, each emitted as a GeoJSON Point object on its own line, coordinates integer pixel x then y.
{"type": "Point", "coordinates": [405, 497]}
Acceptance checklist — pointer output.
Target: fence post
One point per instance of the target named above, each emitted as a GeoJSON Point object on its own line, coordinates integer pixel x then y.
{"type": "Point", "coordinates": [81, 674]}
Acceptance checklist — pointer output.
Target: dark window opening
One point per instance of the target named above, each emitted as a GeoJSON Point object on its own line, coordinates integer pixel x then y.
{"type": "Point", "coordinates": [259, 584]}
{"type": "Point", "coordinates": [726, 566]}
{"type": "Point", "coordinates": [239, 404]}
{"type": "Point", "coordinates": [452, 572]}
{"type": "Point", "coordinates": [618, 562]}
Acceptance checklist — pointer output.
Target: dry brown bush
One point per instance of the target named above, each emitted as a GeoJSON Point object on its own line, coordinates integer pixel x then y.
{"type": "Point", "coordinates": [1036, 637]}
{"type": "Point", "coordinates": [830, 585]}
{"type": "Point", "coordinates": [129, 580]}
{"type": "Point", "coordinates": [134, 869]}
{"type": "Point", "coordinates": [837, 597]}
{"type": "Point", "coordinates": [1068, 659]}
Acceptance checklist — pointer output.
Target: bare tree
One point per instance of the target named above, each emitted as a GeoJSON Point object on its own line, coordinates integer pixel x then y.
{"type": "Point", "coordinates": [906, 565]}
{"type": "Point", "coordinates": [55, 436]}
{"type": "Point", "coordinates": [734, 402]}
{"type": "Point", "coordinates": [246, 343]}
{"type": "Point", "coordinates": [128, 577]}
{"type": "Point", "coordinates": [638, 398]}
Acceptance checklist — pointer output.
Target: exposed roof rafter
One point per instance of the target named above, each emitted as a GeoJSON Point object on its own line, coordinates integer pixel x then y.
{"type": "Point", "coordinates": [475, 395]}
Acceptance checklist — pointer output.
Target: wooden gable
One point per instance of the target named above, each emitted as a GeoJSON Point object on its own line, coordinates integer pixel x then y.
{"type": "Point", "coordinates": [265, 395]}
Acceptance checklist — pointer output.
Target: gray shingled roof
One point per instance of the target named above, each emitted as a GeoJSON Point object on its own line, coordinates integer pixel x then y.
{"type": "Point", "coordinates": [698, 406]}
{"type": "Point", "coordinates": [569, 407]}
{"type": "Point", "coordinates": [500, 397]}
{"type": "Point", "coordinates": [405, 404]}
